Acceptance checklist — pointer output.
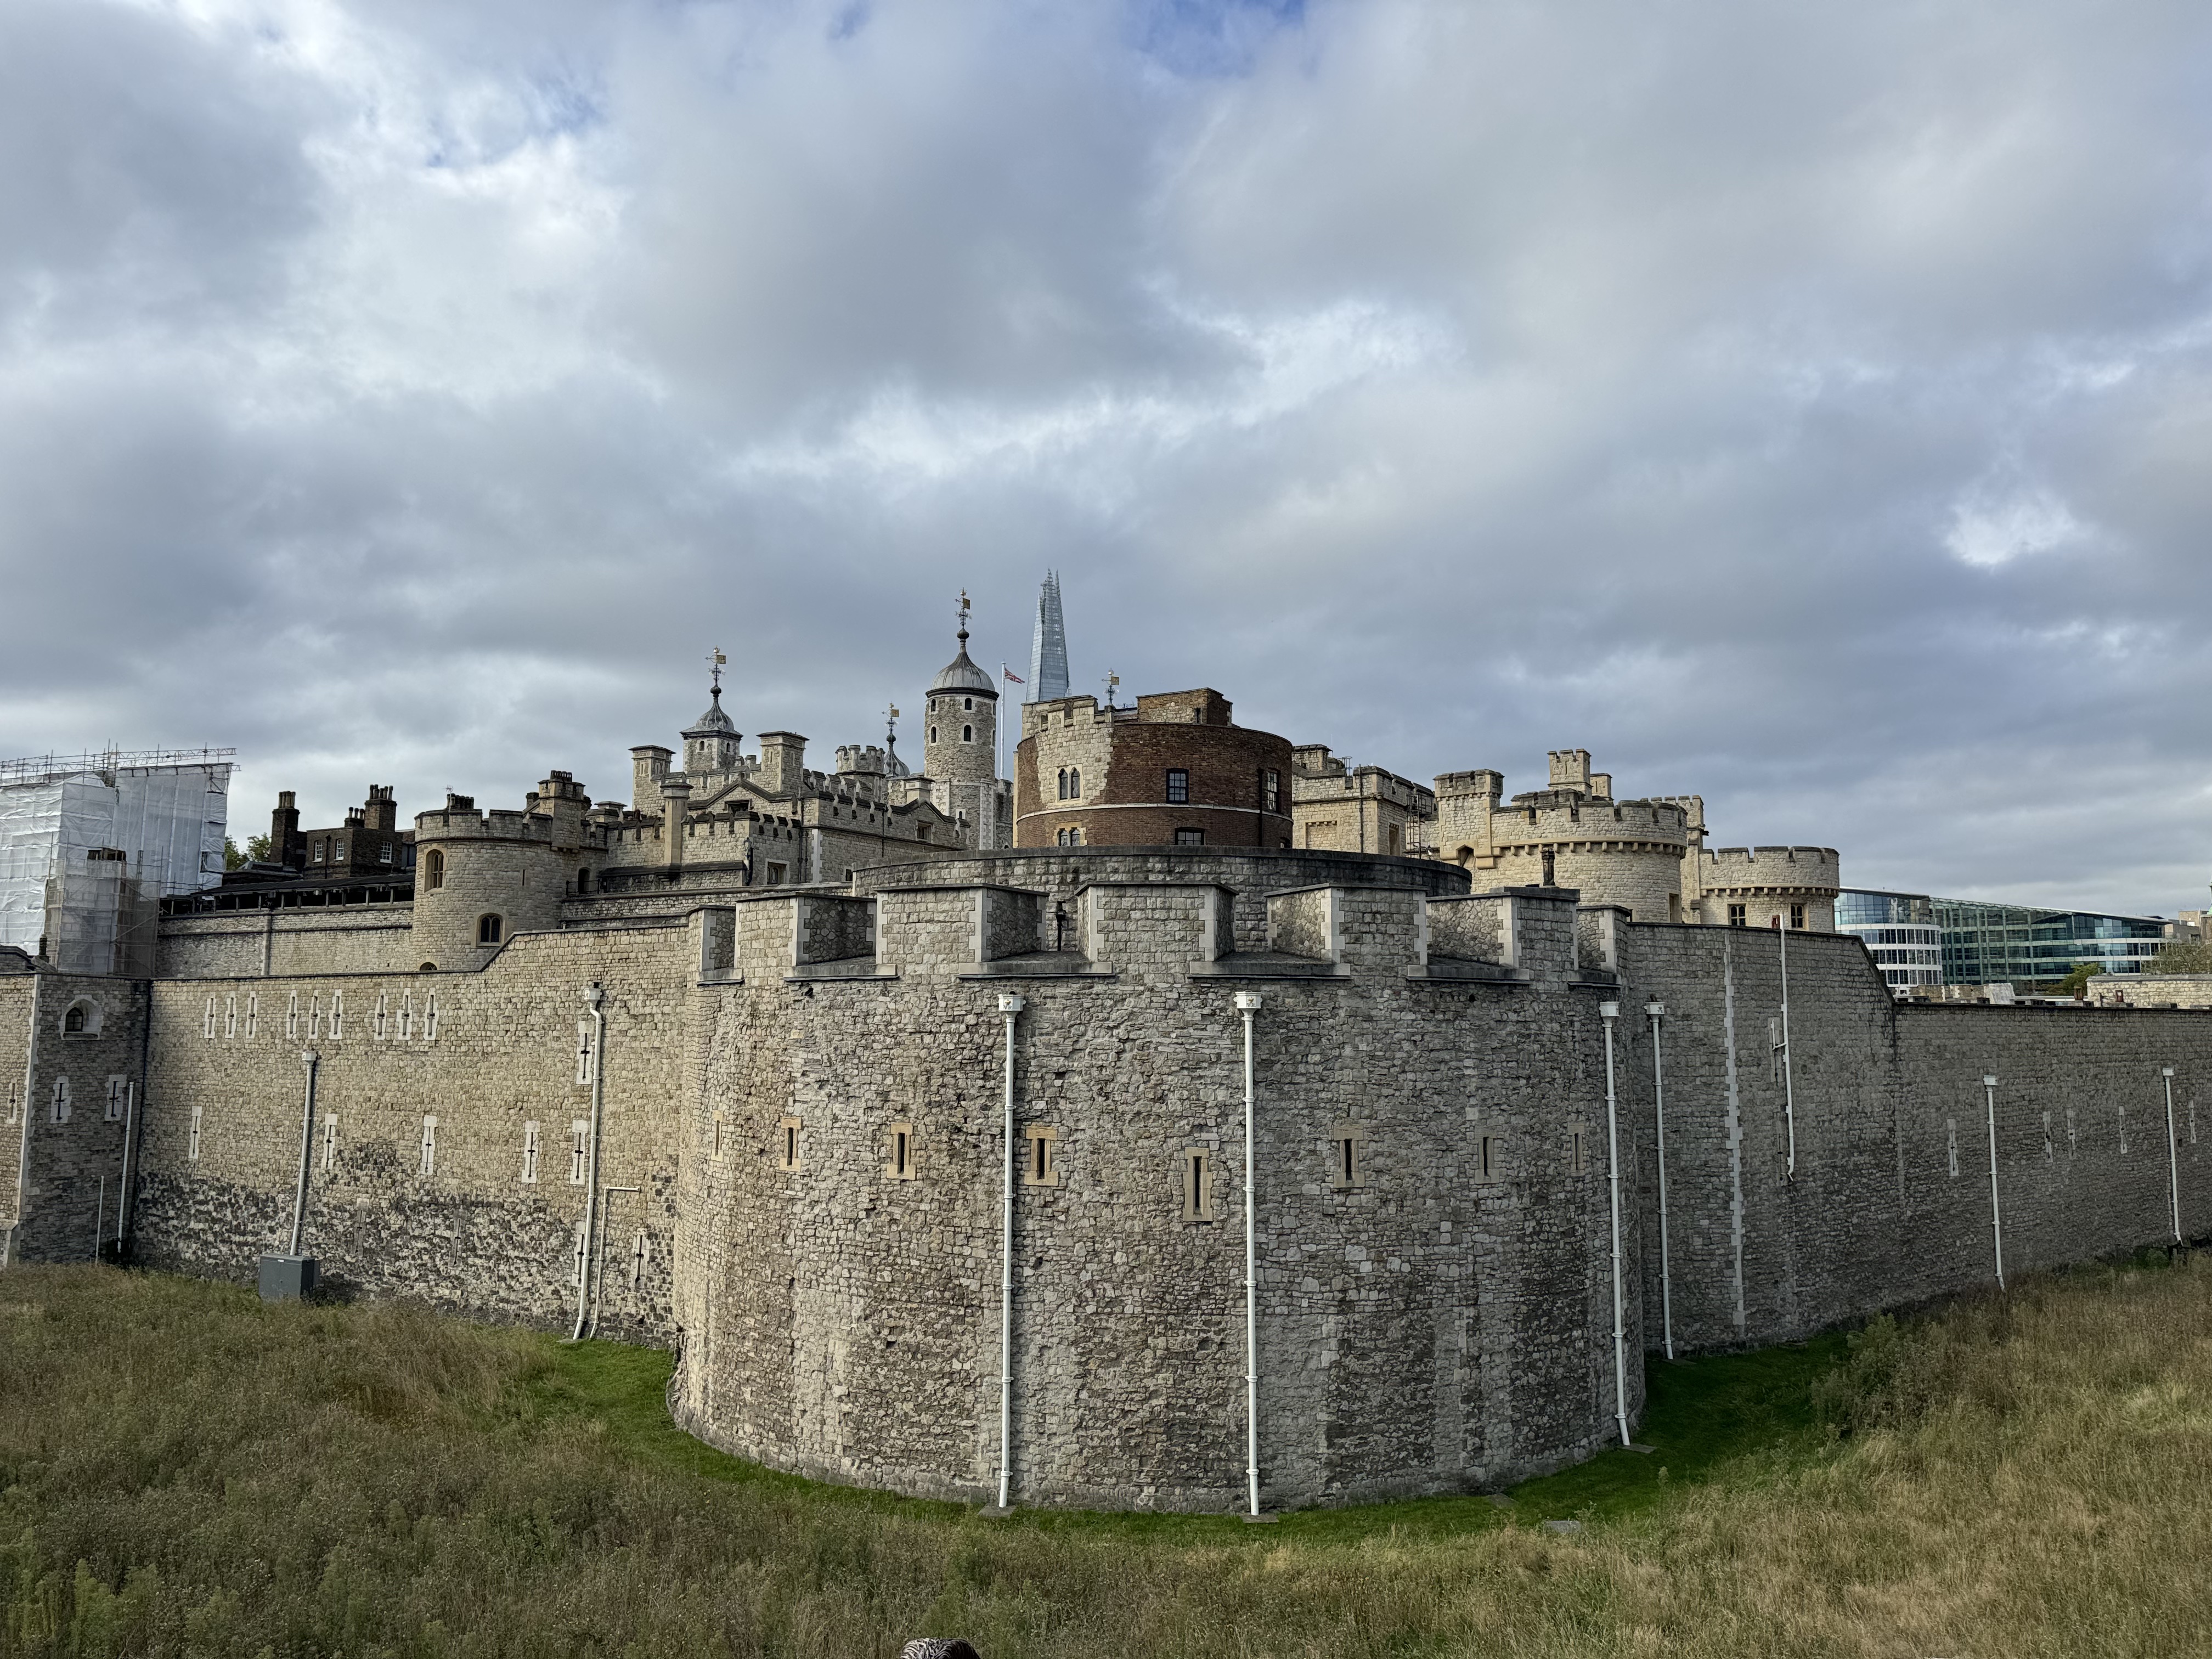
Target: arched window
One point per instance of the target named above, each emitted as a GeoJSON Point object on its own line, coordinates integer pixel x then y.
{"type": "Point", "coordinates": [433, 870]}
{"type": "Point", "coordinates": [967, 734]}
{"type": "Point", "coordinates": [1075, 783]}
{"type": "Point", "coordinates": [73, 1021]}
{"type": "Point", "coordinates": [488, 928]}
{"type": "Point", "coordinates": [967, 703]}
{"type": "Point", "coordinates": [1063, 783]}
{"type": "Point", "coordinates": [933, 734]}
{"type": "Point", "coordinates": [427, 967]}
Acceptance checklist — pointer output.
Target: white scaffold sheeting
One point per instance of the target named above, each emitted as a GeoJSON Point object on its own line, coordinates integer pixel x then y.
{"type": "Point", "coordinates": [167, 821]}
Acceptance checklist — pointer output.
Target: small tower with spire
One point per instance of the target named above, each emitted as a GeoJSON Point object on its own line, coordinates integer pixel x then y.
{"type": "Point", "coordinates": [960, 745]}
{"type": "Point", "coordinates": [710, 742]}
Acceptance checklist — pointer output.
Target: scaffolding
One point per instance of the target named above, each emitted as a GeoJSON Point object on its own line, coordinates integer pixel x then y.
{"type": "Point", "coordinates": [90, 844]}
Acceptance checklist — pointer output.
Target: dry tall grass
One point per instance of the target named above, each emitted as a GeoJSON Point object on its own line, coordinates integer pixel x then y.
{"type": "Point", "coordinates": [185, 1472]}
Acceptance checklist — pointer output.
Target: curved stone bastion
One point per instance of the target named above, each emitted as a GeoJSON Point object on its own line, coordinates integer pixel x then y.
{"type": "Point", "coordinates": [1504, 1144]}
{"type": "Point", "coordinates": [1434, 1306]}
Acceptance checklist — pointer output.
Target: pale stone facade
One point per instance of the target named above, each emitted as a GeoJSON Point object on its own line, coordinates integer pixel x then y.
{"type": "Point", "coordinates": [1340, 808]}
{"type": "Point", "coordinates": [774, 1126]}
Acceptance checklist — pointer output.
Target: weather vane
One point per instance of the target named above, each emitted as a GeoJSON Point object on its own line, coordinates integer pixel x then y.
{"type": "Point", "coordinates": [964, 613]}
{"type": "Point", "coordinates": [1113, 683]}
{"type": "Point", "coordinates": [716, 659]}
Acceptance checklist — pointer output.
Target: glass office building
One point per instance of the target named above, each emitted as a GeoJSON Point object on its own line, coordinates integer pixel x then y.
{"type": "Point", "coordinates": [2029, 947]}
{"type": "Point", "coordinates": [1901, 931]}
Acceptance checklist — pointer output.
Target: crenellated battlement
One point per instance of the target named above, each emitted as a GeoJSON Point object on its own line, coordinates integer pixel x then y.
{"type": "Point", "coordinates": [1812, 869]}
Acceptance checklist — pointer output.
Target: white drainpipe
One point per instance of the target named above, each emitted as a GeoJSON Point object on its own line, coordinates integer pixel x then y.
{"type": "Point", "coordinates": [1657, 1011]}
{"type": "Point", "coordinates": [1247, 1004]}
{"type": "Point", "coordinates": [313, 1062]}
{"type": "Point", "coordinates": [2173, 1154]}
{"type": "Point", "coordinates": [1011, 1006]}
{"type": "Point", "coordinates": [596, 1001]}
{"type": "Point", "coordinates": [1788, 1079]}
{"type": "Point", "coordinates": [1996, 1220]}
{"type": "Point", "coordinates": [1610, 1012]}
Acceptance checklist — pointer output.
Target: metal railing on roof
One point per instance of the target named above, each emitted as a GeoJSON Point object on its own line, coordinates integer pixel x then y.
{"type": "Point", "coordinates": [45, 769]}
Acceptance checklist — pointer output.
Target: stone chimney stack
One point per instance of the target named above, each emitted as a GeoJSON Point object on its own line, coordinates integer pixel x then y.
{"type": "Point", "coordinates": [649, 765]}
{"type": "Point", "coordinates": [783, 764]}
{"type": "Point", "coordinates": [284, 830]}
{"type": "Point", "coordinates": [675, 795]}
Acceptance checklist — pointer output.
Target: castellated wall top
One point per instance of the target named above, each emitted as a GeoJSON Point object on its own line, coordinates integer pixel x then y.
{"type": "Point", "coordinates": [1765, 869]}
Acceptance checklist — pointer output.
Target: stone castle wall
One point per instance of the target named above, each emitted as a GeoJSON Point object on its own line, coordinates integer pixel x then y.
{"type": "Point", "coordinates": [1441, 1320]}
{"type": "Point", "coordinates": [486, 1054]}
{"type": "Point", "coordinates": [241, 943]}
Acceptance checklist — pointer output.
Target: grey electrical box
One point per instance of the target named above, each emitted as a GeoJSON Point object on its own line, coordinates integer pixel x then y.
{"type": "Point", "coordinates": [286, 1277]}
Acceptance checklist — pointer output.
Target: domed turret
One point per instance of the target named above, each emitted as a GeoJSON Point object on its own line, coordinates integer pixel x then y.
{"type": "Point", "coordinates": [710, 742]}
{"type": "Point", "coordinates": [960, 719]}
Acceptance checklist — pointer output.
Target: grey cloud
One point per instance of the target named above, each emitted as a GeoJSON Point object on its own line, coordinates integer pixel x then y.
{"type": "Point", "coordinates": [417, 392]}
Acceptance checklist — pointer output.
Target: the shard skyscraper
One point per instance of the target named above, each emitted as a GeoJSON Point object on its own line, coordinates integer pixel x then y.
{"type": "Point", "coordinates": [1048, 650]}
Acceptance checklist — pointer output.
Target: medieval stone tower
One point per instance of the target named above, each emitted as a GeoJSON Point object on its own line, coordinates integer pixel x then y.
{"type": "Point", "coordinates": [960, 747]}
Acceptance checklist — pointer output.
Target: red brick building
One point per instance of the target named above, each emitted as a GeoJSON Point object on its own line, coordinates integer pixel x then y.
{"type": "Point", "coordinates": [1172, 771]}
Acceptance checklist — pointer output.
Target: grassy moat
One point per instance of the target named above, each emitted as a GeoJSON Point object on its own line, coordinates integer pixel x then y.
{"type": "Point", "coordinates": [183, 1471]}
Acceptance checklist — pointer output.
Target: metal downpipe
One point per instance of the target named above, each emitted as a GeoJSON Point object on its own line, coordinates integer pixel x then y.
{"type": "Point", "coordinates": [1658, 1011]}
{"type": "Point", "coordinates": [596, 1001]}
{"type": "Point", "coordinates": [1011, 1006]}
{"type": "Point", "coordinates": [2172, 1154]}
{"type": "Point", "coordinates": [1610, 1012]}
{"type": "Point", "coordinates": [1247, 1004]}
{"type": "Point", "coordinates": [315, 1064]}
{"type": "Point", "coordinates": [1997, 1217]}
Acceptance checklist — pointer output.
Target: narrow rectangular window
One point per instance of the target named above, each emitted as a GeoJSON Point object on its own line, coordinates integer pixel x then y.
{"type": "Point", "coordinates": [2072, 1134]}
{"type": "Point", "coordinates": [1041, 1164]}
{"type": "Point", "coordinates": [383, 1014]}
{"type": "Point", "coordinates": [1577, 1151]}
{"type": "Point", "coordinates": [230, 1017]}
{"type": "Point", "coordinates": [1737, 916]}
{"type": "Point", "coordinates": [1178, 786]}
{"type": "Point", "coordinates": [1347, 1155]}
{"type": "Point", "coordinates": [2050, 1152]}
{"type": "Point", "coordinates": [314, 1016]}
{"type": "Point", "coordinates": [581, 1236]}
{"type": "Point", "coordinates": [116, 1088]}
{"type": "Point", "coordinates": [252, 1013]}
{"type": "Point", "coordinates": [530, 1153]}
{"type": "Point", "coordinates": [788, 1143]}
{"type": "Point", "coordinates": [1271, 791]}
{"type": "Point", "coordinates": [61, 1106]}
{"type": "Point", "coordinates": [898, 1146]}
{"type": "Point", "coordinates": [330, 1143]}
{"type": "Point", "coordinates": [718, 1121]}
{"type": "Point", "coordinates": [430, 1145]}
{"type": "Point", "coordinates": [192, 1141]}
{"type": "Point", "coordinates": [1197, 1185]}
{"type": "Point", "coordinates": [2123, 1112]}
{"type": "Point", "coordinates": [208, 1029]}
{"type": "Point", "coordinates": [406, 1014]}
{"type": "Point", "coordinates": [1951, 1131]}
{"type": "Point", "coordinates": [1491, 1161]}
{"type": "Point", "coordinates": [292, 1018]}
{"type": "Point", "coordinates": [584, 1032]}
{"type": "Point", "coordinates": [430, 1017]}
{"type": "Point", "coordinates": [1797, 917]}
{"type": "Point", "coordinates": [14, 1102]}
{"type": "Point", "coordinates": [338, 1016]}
{"type": "Point", "coordinates": [579, 1149]}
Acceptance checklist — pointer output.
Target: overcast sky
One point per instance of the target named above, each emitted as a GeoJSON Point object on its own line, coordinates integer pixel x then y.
{"type": "Point", "coordinates": [1809, 407]}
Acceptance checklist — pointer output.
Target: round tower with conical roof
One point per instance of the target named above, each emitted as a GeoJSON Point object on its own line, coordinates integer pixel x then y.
{"type": "Point", "coordinates": [960, 745]}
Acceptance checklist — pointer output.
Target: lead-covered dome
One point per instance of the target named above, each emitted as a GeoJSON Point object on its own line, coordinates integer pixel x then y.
{"type": "Point", "coordinates": [962, 675]}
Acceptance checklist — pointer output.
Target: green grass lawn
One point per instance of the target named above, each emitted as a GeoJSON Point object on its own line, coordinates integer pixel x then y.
{"type": "Point", "coordinates": [185, 1471]}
